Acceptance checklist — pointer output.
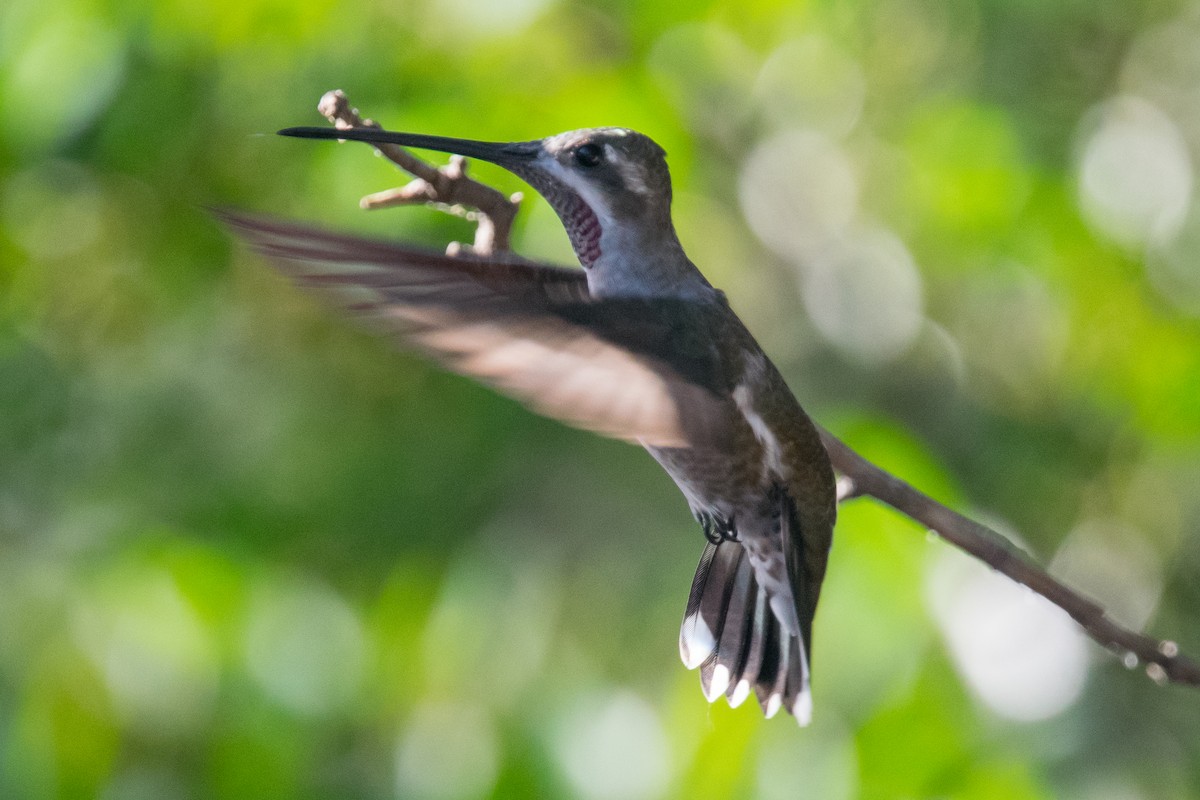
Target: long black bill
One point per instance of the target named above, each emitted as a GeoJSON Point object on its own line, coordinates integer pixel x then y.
{"type": "Point", "coordinates": [503, 153]}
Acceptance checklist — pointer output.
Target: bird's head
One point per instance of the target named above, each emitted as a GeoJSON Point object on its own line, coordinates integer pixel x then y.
{"type": "Point", "coordinates": [609, 186]}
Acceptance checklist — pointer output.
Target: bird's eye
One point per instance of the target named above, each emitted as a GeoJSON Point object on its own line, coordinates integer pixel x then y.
{"type": "Point", "coordinates": [589, 155]}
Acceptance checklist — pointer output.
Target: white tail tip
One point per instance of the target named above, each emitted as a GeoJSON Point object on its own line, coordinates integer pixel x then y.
{"type": "Point", "coordinates": [719, 683]}
{"type": "Point", "coordinates": [740, 693]}
{"type": "Point", "coordinates": [774, 703]}
{"type": "Point", "coordinates": [696, 641]}
{"type": "Point", "coordinates": [803, 707]}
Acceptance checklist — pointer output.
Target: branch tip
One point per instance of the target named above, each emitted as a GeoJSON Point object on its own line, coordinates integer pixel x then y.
{"type": "Point", "coordinates": [1163, 659]}
{"type": "Point", "coordinates": [448, 187]}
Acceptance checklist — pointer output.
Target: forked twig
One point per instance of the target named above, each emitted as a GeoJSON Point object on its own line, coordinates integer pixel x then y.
{"type": "Point", "coordinates": [449, 187]}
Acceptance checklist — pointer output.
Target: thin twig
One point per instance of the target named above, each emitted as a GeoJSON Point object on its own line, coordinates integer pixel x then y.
{"type": "Point", "coordinates": [1164, 662]}
{"type": "Point", "coordinates": [448, 187]}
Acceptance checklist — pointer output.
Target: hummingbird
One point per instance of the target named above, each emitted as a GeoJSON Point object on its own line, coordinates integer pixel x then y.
{"type": "Point", "coordinates": [636, 346]}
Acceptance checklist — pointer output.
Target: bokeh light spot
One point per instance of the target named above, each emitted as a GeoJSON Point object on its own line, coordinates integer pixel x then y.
{"type": "Point", "coordinates": [52, 211]}
{"type": "Point", "coordinates": [447, 751]}
{"type": "Point", "coordinates": [798, 191]}
{"type": "Point", "coordinates": [1113, 562]}
{"type": "Point", "coordinates": [59, 69]}
{"type": "Point", "coordinates": [825, 763]}
{"type": "Point", "coordinates": [1023, 656]}
{"type": "Point", "coordinates": [158, 659]}
{"type": "Point", "coordinates": [479, 18]}
{"type": "Point", "coordinates": [864, 295]}
{"type": "Point", "coordinates": [1174, 267]}
{"type": "Point", "coordinates": [1135, 174]}
{"type": "Point", "coordinates": [497, 605]}
{"type": "Point", "coordinates": [706, 72]}
{"type": "Point", "coordinates": [810, 82]}
{"type": "Point", "coordinates": [304, 645]}
{"type": "Point", "coordinates": [614, 748]}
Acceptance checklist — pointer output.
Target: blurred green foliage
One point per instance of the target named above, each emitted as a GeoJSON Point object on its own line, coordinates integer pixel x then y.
{"type": "Point", "coordinates": [248, 551]}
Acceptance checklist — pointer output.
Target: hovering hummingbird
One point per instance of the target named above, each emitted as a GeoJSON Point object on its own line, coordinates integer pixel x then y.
{"type": "Point", "coordinates": [637, 346]}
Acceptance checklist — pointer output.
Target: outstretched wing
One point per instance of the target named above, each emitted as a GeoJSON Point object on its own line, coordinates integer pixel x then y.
{"type": "Point", "coordinates": [531, 331]}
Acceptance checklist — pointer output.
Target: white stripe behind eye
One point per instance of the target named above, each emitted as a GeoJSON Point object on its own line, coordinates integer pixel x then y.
{"type": "Point", "coordinates": [633, 176]}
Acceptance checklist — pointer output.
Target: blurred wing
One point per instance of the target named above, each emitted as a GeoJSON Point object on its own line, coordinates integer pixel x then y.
{"type": "Point", "coordinates": [511, 324]}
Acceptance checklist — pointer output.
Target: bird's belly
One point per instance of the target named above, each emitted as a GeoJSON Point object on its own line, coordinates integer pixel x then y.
{"type": "Point", "coordinates": [715, 481]}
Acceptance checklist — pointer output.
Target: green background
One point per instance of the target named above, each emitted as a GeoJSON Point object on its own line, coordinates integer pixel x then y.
{"type": "Point", "coordinates": [249, 551]}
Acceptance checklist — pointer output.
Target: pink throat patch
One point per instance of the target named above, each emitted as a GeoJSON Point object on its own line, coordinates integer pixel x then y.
{"type": "Point", "coordinates": [582, 224]}
{"type": "Point", "coordinates": [584, 229]}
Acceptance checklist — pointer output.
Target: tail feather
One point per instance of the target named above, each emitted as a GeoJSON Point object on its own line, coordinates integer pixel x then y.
{"type": "Point", "coordinates": [752, 664]}
{"type": "Point", "coordinates": [733, 647]}
{"type": "Point", "coordinates": [714, 678]}
{"type": "Point", "coordinates": [796, 697]}
{"type": "Point", "coordinates": [705, 617]}
{"type": "Point", "coordinates": [730, 631]}
{"type": "Point", "coordinates": [687, 632]}
{"type": "Point", "coordinates": [764, 685]}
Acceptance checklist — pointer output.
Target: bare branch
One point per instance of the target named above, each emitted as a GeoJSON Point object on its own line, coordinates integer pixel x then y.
{"type": "Point", "coordinates": [448, 187]}
{"type": "Point", "coordinates": [1164, 662]}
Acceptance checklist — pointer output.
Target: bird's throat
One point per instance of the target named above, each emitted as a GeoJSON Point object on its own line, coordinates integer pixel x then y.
{"type": "Point", "coordinates": [581, 222]}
